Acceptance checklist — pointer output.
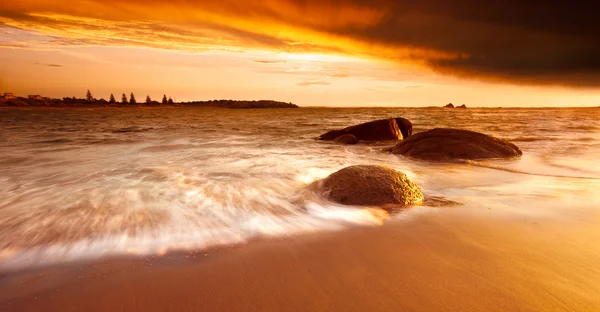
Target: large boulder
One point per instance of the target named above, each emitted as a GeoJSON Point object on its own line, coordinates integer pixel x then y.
{"type": "Point", "coordinates": [405, 126]}
{"type": "Point", "coordinates": [462, 106]}
{"type": "Point", "coordinates": [346, 139]}
{"type": "Point", "coordinates": [385, 129]}
{"type": "Point", "coordinates": [449, 105]}
{"type": "Point", "coordinates": [366, 185]}
{"type": "Point", "coordinates": [454, 144]}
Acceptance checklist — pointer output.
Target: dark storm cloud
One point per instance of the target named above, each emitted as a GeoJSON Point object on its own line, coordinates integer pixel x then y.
{"type": "Point", "coordinates": [555, 42]}
{"type": "Point", "coordinates": [545, 42]}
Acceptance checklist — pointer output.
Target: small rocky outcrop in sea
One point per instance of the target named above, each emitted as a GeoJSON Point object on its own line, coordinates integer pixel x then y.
{"type": "Point", "coordinates": [346, 139]}
{"type": "Point", "coordinates": [462, 106]}
{"type": "Point", "coordinates": [367, 185]}
{"type": "Point", "coordinates": [384, 129]}
{"type": "Point", "coordinates": [449, 105]}
{"type": "Point", "coordinates": [454, 144]}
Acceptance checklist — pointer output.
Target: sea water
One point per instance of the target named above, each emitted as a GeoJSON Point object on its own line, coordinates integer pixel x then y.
{"type": "Point", "coordinates": [80, 184]}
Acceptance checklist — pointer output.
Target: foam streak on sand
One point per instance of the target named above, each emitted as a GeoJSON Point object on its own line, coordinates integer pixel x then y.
{"type": "Point", "coordinates": [458, 259]}
{"type": "Point", "coordinates": [148, 242]}
{"type": "Point", "coordinates": [498, 167]}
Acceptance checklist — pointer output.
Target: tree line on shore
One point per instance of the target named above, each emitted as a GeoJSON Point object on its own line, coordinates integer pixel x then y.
{"type": "Point", "coordinates": [91, 101]}
{"type": "Point", "coordinates": [124, 101]}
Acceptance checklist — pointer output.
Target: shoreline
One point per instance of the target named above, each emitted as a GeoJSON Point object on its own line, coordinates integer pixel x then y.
{"type": "Point", "coordinates": [127, 107]}
{"type": "Point", "coordinates": [299, 107]}
{"type": "Point", "coordinates": [448, 259]}
{"type": "Point", "coordinates": [93, 103]}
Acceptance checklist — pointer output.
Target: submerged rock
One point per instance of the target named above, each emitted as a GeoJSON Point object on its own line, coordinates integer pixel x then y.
{"type": "Point", "coordinates": [346, 139]}
{"type": "Point", "coordinates": [385, 129]}
{"type": "Point", "coordinates": [454, 144]}
{"type": "Point", "coordinates": [366, 185]}
{"type": "Point", "coordinates": [331, 135]}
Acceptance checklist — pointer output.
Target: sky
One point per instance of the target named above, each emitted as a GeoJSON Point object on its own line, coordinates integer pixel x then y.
{"type": "Point", "coordinates": [309, 52]}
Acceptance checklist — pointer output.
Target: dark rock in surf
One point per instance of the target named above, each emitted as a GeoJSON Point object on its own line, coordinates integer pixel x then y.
{"type": "Point", "coordinates": [462, 106]}
{"type": "Point", "coordinates": [385, 129]}
{"type": "Point", "coordinates": [366, 185]}
{"type": "Point", "coordinates": [331, 135]}
{"type": "Point", "coordinates": [454, 144]}
{"type": "Point", "coordinates": [449, 105]}
{"type": "Point", "coordinates": [405, 126]}
{"type": "Point", "coordinates": [346, 139]}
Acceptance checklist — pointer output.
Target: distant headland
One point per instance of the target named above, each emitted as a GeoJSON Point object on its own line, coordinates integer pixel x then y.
{"type": "Point", "coordinates": [34, 101]}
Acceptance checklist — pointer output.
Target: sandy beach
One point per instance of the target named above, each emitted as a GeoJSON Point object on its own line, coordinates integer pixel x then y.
{"type": "Point", "coordinates": [452, 259]}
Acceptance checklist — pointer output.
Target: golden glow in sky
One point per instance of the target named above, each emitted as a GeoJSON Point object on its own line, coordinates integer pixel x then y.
{"type": "Point", "coordinates": [321, 53]}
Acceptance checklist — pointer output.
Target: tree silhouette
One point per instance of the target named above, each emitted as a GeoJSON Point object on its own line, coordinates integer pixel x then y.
{"type": "Point", "coordinates": [132, 99]}
{"type": "Point", "coordinates": [170, 101]}
{"type": "Point", "coordinates": [148, 99]}
{"type": "Point", "coordinates": [89, 96]}
{"type": "Point", "coordinates": [164, 100]}
{"type": "Point", "coordinates": [112, 99]}
{"type": "Point", "coordinates": [124, 99]}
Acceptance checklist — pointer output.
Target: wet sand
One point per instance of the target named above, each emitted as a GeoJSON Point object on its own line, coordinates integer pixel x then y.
{"type": "Point", "coordinates": [454, 259]}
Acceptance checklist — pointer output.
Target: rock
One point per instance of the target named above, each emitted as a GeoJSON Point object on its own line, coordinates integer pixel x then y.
{"type": "Point", "coordinates": [454, 144]}
{"type": "Point", "coordinates": [462, 106]}
{"type": "Point", "coordinates": [405, 126]}
{"type": "Point", "coordinates": [331, 135]}
{"type": "Point", "coordinates": [365, 185]}
{"type": "Point", "coordinates": [439, 201]}
{"type": "Point", "coordinates": [385, 129]}
{"type": "Point", "coordinates": [449, 105]}
{"type": "Point", "coordinates": [346, 139]}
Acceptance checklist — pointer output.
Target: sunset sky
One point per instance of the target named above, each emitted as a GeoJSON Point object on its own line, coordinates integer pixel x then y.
{"type": "Point", "coordinates": [309, 52]}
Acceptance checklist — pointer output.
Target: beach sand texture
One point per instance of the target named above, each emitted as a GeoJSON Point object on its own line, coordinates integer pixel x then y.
{"type": "Point", "coordinates": [455, 260]}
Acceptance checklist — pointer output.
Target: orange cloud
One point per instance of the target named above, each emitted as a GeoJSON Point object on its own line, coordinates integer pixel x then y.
{"type": "Point", "coordinates": [231, 25]}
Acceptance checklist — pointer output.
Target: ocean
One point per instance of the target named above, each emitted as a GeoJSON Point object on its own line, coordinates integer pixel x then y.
{"type": "Point", "coordinates": [82, 184]}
